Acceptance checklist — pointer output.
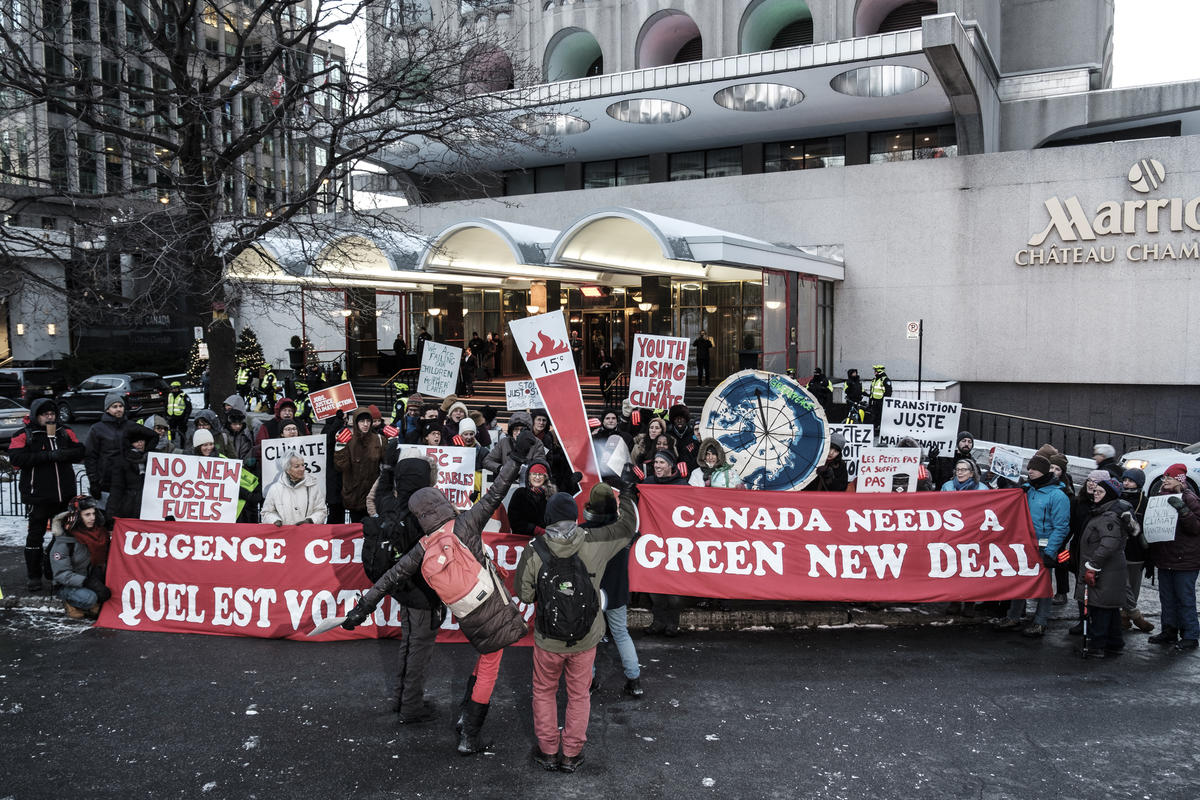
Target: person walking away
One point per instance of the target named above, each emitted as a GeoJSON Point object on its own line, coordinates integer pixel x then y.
{"type": "Point", "coordinates": [556, 650]}
{"type": "Point", "coordinates": [44, 453]}
{"type": "Point", "coordinates": [1051, 514]}
{"type": "Point", "coordinates": [1102, 570]}
{"type": "Point", "coordinates": [1178, 564]}
{"type": "Point", "coordinates": [703, 347]}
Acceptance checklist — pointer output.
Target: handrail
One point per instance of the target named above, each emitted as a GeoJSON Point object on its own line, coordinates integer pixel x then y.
{"type": "Point", "coordinates": [1068, 438]}
{"type": "Point", "coordinates": [1076, 427]}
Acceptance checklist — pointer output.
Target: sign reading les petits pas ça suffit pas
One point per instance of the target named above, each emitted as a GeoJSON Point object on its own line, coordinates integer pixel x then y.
{"type": "Point", "coordinates": [658, 371]}
{"type": "Point", "coordinates": [439, 369]}
{"type": "Point", "coordinates": [190, 488]}
{"type": "Point", "coordinates": [924, 547]}
{"type": "Point", "coordinates": [253, 580]}
{"type": "Point", "coordinates": [928, 422]}
{"type": "Point", "coordinates": [327, 402]}
{"type": "Point", "coordinates": [888, 469]}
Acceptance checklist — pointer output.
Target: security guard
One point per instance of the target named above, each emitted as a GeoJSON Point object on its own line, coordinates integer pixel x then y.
{"type": "Point", "coordinates": [400, 406]}
{"type": "Point", "coordinates": [243, 382]}
{"type": "Point", "coordinates": [268, 386]}
{"type": "Point", "coordinates": [881, 387]}
{"type": "Point", "coordinates": [303, 407]}
{"type": "Point", "coordinates": [179, 411]}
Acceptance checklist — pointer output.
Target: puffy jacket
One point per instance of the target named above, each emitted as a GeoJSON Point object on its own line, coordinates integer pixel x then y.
{"type": "Point", "coordinates": [1102, 544]}
{"type": "Point", "coordinates": [594, 547]}
{"type": "Point", "coordinates": [45, 461]}
{"type": "Point", "coordinates": [129, 477]}
{"type": "Point", "coordinates": [1183, 552]}
{"type": "Point", "coordinates": [69, 558]}
{"type": "Point", "coordinates": [720, 476]}
{"type": "Point", "coordinates": [291, 503]}
{"type": "Point", "coordinates": [500, 450]}
{"type": "Point", "coordinates": [1051, 513]}
{"type": "Point", "coordinates": [106, 447]}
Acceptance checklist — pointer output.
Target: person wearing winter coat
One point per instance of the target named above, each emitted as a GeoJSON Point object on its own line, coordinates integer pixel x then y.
{"type": "Point", "coordinates": [1102, 570]}
{"type": "Point", "coordinates": [683, 436]}
{"type": "Point", "coordinates": [601, 511]}
{"type": "Point", "coordinates": [333, 478]}
{"type": "Point", "coordinates": [433, 510]}
{"type": "Point", "coordinates": [165, 443]}
{"type": "Point", "coordinates": [105, 445]}
{"type": "Point", "coordinates": [553, 657]}
{"type": "Point", "coordinates": [44, 453]}
{"type": "Point", "coordinates": [713, 470]}
{"type": "Point", "coordinates": [357, 457]}
{"type": "Point", "coordinates": [853, 391]}
{"type": "Point", "coordinates": [518, 422]}
{"type": "Point", "coordinates": [833, 475]}
{"type": "Point", "coordinates": [457, 413]}
{"type": "Point", "coordinates": [609, 427]}
{"type": "Point", "coordinates": [966, 477]}
{"type": "Point", "coordinates": [1051, 514]}
{"type": "Point", "coordinates": [235, 440]}
{"type": "Point", "coordinates": [1136, 550]}
{"type": "Point", "coordinates": [1105, 456]}
{"type": "Point", "coordinates": [1178, 564]}
{"type": "Point", "coordinates": [78, 556]}
{"type": "Point", "coordinates": [1059, 468]}
{"type": "Point", "coordinates": [297, 498]}
{"type": "Point", "coordinates": [179, 409]}
{"type": "Point", "coordinates": [556, 457]}
{"type": "Point", "coordinates": [130, 478]}
{"type": "Point", "coordinates": [206, 420]}
{"type": "Point", "coordinates": [941, 467]}
{"type": "Point", "coordinates": [285, 411]}
{"type": "Point", "coordinates": [821, 388]}
{"type": "Point", "coordinates": [664, 608]}
{"type": "Point", "coordinates": [527, 508]}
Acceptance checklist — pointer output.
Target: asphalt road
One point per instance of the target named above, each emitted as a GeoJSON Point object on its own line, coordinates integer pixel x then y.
{"type": "Point", "coordinates": [932, 712]}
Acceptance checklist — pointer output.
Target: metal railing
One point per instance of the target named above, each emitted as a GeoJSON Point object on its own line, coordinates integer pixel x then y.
{"type": "Point", "coordinates": [10, 493]}
{"type": "Point", "coordinates": [616, 390]}
{"type": "Point", "coordinates": [1072, 439]}
{"type": "Point", "coordinates": [407, 375]}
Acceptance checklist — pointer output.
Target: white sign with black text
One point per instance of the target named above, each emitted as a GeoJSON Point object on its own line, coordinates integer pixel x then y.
{"type": "Point", "coordinates": [888, 469]}
{"type": "Point", "coordinates": [439, 369]}
{"type": "Point", "coordinates": [857, 437]}
{"type": "Point", "coordinates": [927, 422]}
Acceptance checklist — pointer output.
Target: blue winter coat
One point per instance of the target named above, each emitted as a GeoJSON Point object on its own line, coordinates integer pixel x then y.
{"type": "Point", "coordinates": [1051, 513]}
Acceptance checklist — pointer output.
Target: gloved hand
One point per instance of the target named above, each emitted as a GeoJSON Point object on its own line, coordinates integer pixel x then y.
{"type": "Point", "coordinates": [934, 451]}
{"type": "Point", "coordinates": [358, 615]}
{"type": "Point", "coordinates": [521, 447]}
{"type": "Point", "coordinates": [1175, 501]}
{"type": "Point", "coordinates": [1148, 571]}
{"type": "Point", "coordinates": [278, 523]}
{"type": "Point", "coordinates": [250, 462]}
{"type": "Point", "coordinates": [94, 583]}
{"type": "Point", "coordinates": [1048, 560]}
{"type": "Point", "coordinates": [1089, 577]}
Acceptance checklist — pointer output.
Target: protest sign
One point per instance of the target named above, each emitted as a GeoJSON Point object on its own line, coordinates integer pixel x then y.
{"type": "Point", "coordinates": [1159, 523]}
{"type": "Point", "coordinates": [255, 580]}
{"type": "Point", "coordinates": [542, 342]}
{"type": "Point", "coordinates": [275, 454]}
{"type": "Point", "coordinates": [658, 371]}
{"type": "Point", "coordinates": [836, 547]}
{"type": "Point", "coordinates": [455, 473]}
{"type": "Point", "coordinates": [329, 401]}
{"type": "Point", "coordinates": [857, 437]}
{"type": "Point", "coordinates": [190, 488]}
{"type": "Point", "coordinates": [439, 369]}
{"type": "Point", "coordinates": [521, 395]}
{"type": "Point", "coordinates": [1006, 463]}
{"type": "Point", "coordinates": [928, 422]}
{"type": "Point", "coordinates": [888, 469]}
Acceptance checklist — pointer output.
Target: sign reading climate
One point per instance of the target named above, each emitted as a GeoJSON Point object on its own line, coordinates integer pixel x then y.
{"type": "Point", "coordinates": [1083, 234]}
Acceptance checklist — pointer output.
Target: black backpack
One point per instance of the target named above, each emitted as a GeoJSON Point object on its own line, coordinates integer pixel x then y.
{"type": "Point", "coordinates": [567, 603]}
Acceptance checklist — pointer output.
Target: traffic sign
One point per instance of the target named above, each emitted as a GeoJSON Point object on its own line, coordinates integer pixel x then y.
{"type": "Point", "coordinates": [913, 329]}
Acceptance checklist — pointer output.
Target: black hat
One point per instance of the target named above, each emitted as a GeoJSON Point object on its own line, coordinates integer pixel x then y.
{"type": "Point", "coordinates": [561, 506]}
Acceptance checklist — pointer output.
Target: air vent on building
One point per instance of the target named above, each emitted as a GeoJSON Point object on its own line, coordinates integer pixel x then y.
{"type": "Point", "coordinates": [907, 16]}
{"type": "Point", "coordinates": [691, 51]}
{"type": "Point", "coordinates": [793, 35]}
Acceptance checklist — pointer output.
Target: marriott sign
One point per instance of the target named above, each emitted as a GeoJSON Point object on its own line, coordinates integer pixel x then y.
{"type": "Point", "coordinates": [1084, 235]}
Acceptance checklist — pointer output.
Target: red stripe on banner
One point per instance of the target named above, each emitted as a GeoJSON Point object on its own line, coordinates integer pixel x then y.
{"type": "Point", "coordinates": [923, 547]}
{"type": "Point", "coordinates": [564, 404]}
{"type": "Point", "coordinates": [254, 580]}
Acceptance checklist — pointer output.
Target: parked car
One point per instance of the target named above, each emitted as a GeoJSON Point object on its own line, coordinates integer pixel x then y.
{"type": "Point", "coordinates": [193, 392]}
{"type": "Point", "coordinates": [1155, 462]}
{"type": "Point", "coordinates": [144, 393]}
{"type": "Point", "coordinates": [26, 384]}
{"type": "Point", "coordinates": [12, 419]}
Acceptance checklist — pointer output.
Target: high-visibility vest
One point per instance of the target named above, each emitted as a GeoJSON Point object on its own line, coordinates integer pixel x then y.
{"type": "Point", "coordinates": [268, 381]}
{"type": "Point", "coordinates": [878, 389]}
{"type": "Point", "coordinates": [243, 376]}
{"type": "Point", "coordinates": [176, 404]}
{"type": "Point", "coordinates": [301, 407]}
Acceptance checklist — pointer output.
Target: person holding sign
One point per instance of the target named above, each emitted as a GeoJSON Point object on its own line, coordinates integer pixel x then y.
{"type": "Point", "coordinates": [1136, 550]}
{"type": "Point", "coordinates": [1178, 562]}
{"type": "Point", "coordinates": [297, 498]}
{"type": "Point", "coordinates": [357, 454]}
{"type": "Point", "coordinates": [129, 476]}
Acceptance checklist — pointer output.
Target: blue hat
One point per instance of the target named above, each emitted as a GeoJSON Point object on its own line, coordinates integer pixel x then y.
{"type": "Point", "coordinates": [1136, 475]}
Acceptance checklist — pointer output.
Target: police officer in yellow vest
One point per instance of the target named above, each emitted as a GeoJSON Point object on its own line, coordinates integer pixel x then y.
{"type": "Point", "coordinates": [881, 387]}
{"type": "Point", "coordinates": [268, 386]}
{"type": "Point", "coordinates": [243, 382]}
{"type": "Point", "coordinates": [303, 407]}
{"type": "Point", "coordinates": [400, 406]}
{"type": "Point", "coordinates": [179, 411]}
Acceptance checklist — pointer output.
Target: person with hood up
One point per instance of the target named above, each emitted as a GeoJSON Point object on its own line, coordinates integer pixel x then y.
{"type": "Point", "coordinates": [853, 391]}
{"type": "Point", "coordinates": [44, 453]}
{"type": "Point", "coordinates": [409, 424]}
{"type": "Point", "coordinates": [556, 457]}
{"type": "Point", "coordinates": [78, 557]}
{"type": "Point", "coordinates": [235, 440]}
{"type": "Point", "coordinates": [165, 443]}
{"type": "Point", "coordinates": [664, 608]}
{"type": "Point", "coordinates": [357, 455]}
{"type": "Point", "coordinates": [553, 657]}
{"type": "Point", "coordinates": [527, 508]}
{"type": "Point", "coordinates": [130, 478]}
{"type": "Point", "coordinates": [1051, 514]}
{"type": "Point", "coordinates": [386, 537]}
{"type": "Point", "coordinates": [433, 510]}
{"type": "Point", "coordinates": [832, 476]}
{"type": "Point", "coordinates": [297, 498]}
{"type": "Point", "coordinates": [713, 470]}
{"type": "Point", "coordinates": [1102, 570]}
{"type": "Point", "coordinates": [1178, 564]}
{"type": "Point", "coordinates": [519, 421]}
{"type": "Point", "coordinates": [683, 435]}
{"type": "Point", "coordinates": [285, 411]}
{"type": "Point", "coordinates": [208, 422]}
{"type": "Point", "coordinates": [600, 511]}
{"type": "Point", "coordinates": [966, 477]}
{"type": "Point", "coordinates": [105, 445]}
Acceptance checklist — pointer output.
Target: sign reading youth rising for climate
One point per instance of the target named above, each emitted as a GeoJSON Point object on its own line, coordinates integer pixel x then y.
{"type": "Point", "coordinates": [930, 547]}
{"type": "Point", "coordinates": [928, 422]}
{"type": "Point", "coordinates": [439, 369]}
{"type": "Point", "coordinates": [658, 371]}
{"type": "Point", "coordinates": [542, 341]}
{"type": "Point", "coordinates": [190, 488]}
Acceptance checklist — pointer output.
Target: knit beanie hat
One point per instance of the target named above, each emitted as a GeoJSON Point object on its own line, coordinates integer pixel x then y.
{"type": "Point", "coordinates": [1098, 475]}
{"type": "Point", "coordinates": [1176, 471]}
{"type": "Point", "coordinates": [1040, 463]}
{"type": "Point", "coordinates": [1047, 450]}
{"type": "Point", "coordinates": [467, 425]}
{"type": "Point", "coordinates": [1136, 475]}
{"type": "Point", "coordinates": [561, 506]}
{"type": "Point", "coordinates": [1060, 461]}
{"type": "Point", "coordinates": [665, 456]}
{"type": "Point", "coordinates": [965, 435]}
{"type": "Point", "coordinates": [601, 500]}
{"type": "Point", "coordinates": [202, 436]}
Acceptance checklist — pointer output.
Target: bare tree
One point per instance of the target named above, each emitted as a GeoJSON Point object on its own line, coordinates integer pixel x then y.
{"type": "Point", "coordinates": [174, 134]}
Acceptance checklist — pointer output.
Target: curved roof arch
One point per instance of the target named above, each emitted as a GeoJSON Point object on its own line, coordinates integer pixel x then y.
{"type": "Point", "coordinates": [371, 252]}
{"type": "Point", "coordinates": [492, 246]}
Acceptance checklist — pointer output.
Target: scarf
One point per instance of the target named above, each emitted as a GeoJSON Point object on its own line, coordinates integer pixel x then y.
{"type": "Point", "coordinates": [96, 540]}
{"type": "Point", "coordinates": [969, 484]}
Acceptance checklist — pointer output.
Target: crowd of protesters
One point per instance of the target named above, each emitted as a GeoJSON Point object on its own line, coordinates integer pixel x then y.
{"type": "Point", "coordinates": [380, 477]}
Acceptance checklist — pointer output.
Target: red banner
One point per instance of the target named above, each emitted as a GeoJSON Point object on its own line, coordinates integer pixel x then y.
{"type": "Point", "coordinates": [755, 545]}
{"type": "Point", "coordinates": [252, 580]}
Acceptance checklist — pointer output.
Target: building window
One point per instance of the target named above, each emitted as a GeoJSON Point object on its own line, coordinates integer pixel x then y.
{"type": "Point", "coordinates": [807, 154]}
{"type": "Point", "coordinates": [536, 181]}
{"type": "Point", "coordinates": [88, 163]}
{"type": "Point", "coordinates": [706, 164]}
{"type": "Point", "coordinates": [825, 325]}
{"type": "Point", "coordinates": [620, 172]}
{"type": "Point", "coordinates": [939, 142]}
{"type": "Point", "coordinates": [58, 159]}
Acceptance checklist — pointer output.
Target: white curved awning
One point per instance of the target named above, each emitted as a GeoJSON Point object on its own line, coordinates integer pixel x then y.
{"type": "Point", "coordinates": [496, 247]}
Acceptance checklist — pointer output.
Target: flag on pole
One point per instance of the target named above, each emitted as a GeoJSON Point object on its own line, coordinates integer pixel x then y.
{"type": "Point", "coordinates": [277, 92]}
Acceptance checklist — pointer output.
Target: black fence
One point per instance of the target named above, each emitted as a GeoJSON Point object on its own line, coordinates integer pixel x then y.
{"type": "Point", "coordinates": [10, 493]}
{"type": "Point", "coordinates": [1073, 440]}
{"type": "Point", "coordinates": [616, 390]}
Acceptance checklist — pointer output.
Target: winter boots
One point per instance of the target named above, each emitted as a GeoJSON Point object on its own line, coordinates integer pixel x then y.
{"type": "Point", "coordinates": [470, 741]}
{"type": "Point", "coordinates": [1167, 636]}
{"type": "Point", "coordinates": [73, 612]}
{"type": "Point", "coordinates": [1128, 620]}
{"type": "Point", "coordinates": [33, 568]}
{"type": "Point", "coordinates": [462, 707]}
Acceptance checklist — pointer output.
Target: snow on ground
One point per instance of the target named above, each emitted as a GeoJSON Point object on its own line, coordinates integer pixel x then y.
{"type": "Point", "coordinates": [12, 531]}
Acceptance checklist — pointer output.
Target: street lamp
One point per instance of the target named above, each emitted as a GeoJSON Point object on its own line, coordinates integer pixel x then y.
{"type": "Point", "coordinates": [532, 309]}
{"type": "Point", "coordinates": [433, 312]}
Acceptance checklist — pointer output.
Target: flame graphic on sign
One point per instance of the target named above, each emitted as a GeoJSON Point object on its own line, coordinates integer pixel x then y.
{"type": "Point", "coordinates": [544, 347]}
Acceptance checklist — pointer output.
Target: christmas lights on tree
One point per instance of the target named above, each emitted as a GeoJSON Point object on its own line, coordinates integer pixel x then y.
{"type": "Point", "coordinates": [249, 353]}
{"type": "Point", "coordinates": [195, 365]}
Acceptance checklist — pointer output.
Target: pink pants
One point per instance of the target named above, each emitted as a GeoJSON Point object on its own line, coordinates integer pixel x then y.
{"type": "Point", "coordinates": [485, 672]}
{"type": "Point", "coordinates": [547, 669]}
